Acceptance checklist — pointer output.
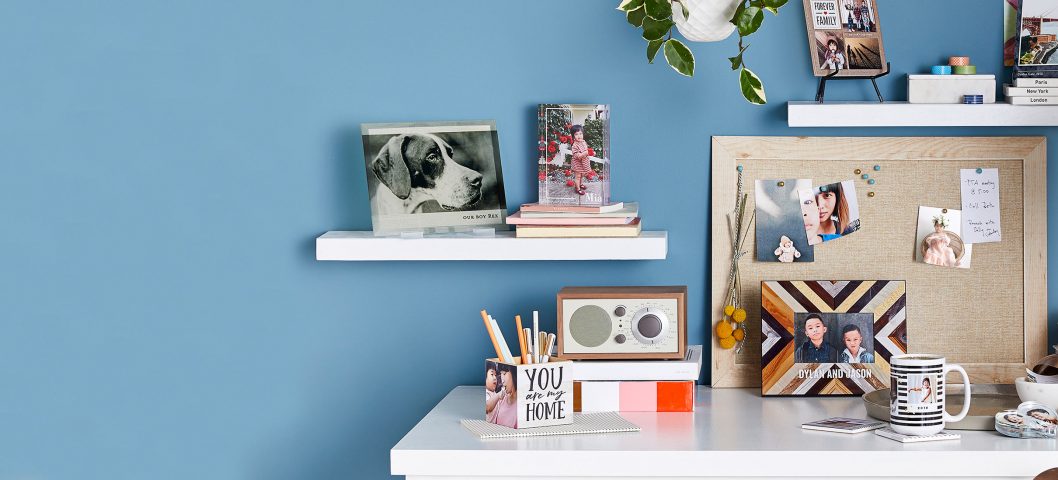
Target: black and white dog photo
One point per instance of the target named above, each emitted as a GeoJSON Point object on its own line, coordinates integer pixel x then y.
{"type": "Point", "coordinates": [422, 176]}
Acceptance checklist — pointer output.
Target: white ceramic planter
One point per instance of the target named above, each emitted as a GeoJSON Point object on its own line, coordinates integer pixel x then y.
{"type": "Point", "coordinates": [709, 19]}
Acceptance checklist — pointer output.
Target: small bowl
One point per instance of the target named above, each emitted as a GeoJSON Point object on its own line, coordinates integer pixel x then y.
{"type": "Point", "coordinates": [1045, 393]}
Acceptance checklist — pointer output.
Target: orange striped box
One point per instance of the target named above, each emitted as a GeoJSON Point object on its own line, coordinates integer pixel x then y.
{"type": "Point", "coordinates": [633, 396]}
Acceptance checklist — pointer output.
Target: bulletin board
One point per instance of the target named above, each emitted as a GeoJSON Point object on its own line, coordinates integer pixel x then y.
{"type": "Point", "coordinates": [990, 318]}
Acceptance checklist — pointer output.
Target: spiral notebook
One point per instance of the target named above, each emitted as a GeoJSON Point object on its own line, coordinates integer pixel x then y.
{"type": "Point", "coordinates": [602, 422]}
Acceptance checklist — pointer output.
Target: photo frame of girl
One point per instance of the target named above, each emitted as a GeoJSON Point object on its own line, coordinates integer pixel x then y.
{"type": "Point", "coordinates": [573, 154]}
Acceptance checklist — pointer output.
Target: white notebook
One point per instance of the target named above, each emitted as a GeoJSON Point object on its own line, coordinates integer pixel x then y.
{"type": "Point", "coordinates": [602, 422]}
{"type": "Point", "coordinates": [889, 433]}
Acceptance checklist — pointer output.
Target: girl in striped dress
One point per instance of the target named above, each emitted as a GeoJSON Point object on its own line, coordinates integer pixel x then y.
{"type": "Point", "coordinates": [581, 163]}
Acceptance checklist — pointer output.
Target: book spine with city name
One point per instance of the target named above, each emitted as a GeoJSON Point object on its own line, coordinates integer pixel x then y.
{"type": "Point", "coordinates": [689, 368]}
{"type": "Point", "coordinates": [1036, 82]}
{"type": "Point", "coordinates": [633, 396]}
{"type": "Point", "coordinates": [1032, 100]}
{"type": "Point", "coordinates": [1010, 91]}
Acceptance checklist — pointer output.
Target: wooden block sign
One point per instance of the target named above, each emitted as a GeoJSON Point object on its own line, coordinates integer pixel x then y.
{"type": "Point", "coordinates": [526, 396]}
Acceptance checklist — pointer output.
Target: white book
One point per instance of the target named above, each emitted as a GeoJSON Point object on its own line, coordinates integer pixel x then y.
{"type": "Point", "coordinates": [630, 209]}
{"type": "Point", "coordinates": [1036, 82]}
{"type": "Point", "coordinates": [1032, 100]}
{"type": "Point", "coordinates": [889, 433]}
{"type": "Point", "coordinates": [1029, 91]}
{"type": "Point", "coordinates": [689, 368]}
{"type": "Point", "coordinates": [844, 425]}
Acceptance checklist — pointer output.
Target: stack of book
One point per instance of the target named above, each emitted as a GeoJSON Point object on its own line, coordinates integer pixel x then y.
{"type": "Point", "coordinates": [1032, 91]}
{"type": "Point", "coordinates": [637, 385]}
{"type": "Point", "coordinates": [535, 220]}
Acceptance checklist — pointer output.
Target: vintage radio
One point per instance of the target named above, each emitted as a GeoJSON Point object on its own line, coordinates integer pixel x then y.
{"type": "Point", "coordinates": [622, 322]}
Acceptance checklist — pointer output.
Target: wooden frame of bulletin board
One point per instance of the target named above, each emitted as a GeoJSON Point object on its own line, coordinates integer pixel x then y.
{"type": "Point", "coordinates": [990, 318]}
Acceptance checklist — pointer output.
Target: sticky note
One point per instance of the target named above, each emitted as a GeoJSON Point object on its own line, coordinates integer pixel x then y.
{"type": "Point", "coordinates": [980, 205]}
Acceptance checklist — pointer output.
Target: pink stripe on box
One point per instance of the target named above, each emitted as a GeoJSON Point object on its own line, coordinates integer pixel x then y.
{"type": "Point", "coordinates": [639, 396]}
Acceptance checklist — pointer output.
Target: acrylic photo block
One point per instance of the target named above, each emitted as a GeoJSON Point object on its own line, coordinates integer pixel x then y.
{"type": "Point", "coordinates": [528, 395]}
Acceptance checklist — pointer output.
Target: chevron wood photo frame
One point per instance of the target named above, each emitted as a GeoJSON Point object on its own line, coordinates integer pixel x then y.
{"type": "Point", "coordinates": [870, 314]}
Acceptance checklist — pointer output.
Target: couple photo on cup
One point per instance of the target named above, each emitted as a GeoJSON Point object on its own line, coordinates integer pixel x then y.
{"type": "Point", "coordinates": [834, 337]}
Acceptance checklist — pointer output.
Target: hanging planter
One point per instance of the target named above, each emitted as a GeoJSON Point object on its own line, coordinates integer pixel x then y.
{"type": "Point", "coordinates": [709, 20]}
{"type": "Point", "coordinates": [701, 20]}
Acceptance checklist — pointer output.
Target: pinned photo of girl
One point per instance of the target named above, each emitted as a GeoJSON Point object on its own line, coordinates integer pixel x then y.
{"type": "Point", "coordinates": [939, 242]}
{"type": "Point", "coordinates": [505, 409]}
{"type": "Point", "coordinates": [839, 210]}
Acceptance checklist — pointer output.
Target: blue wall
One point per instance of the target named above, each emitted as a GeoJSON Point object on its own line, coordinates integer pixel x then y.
{"type": "Point", "coordinates": [166, 166]}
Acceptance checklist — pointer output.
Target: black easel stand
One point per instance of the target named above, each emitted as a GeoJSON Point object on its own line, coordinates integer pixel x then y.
{"type": "Point", "coordinates": [833, 76]}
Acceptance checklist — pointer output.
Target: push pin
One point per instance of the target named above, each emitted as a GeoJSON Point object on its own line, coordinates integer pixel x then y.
{"type": "Point", "coordinates": [864, 176]}
{"type": "Point", "coordinates": [739, 168]}
{"type": "Point", "coordinates": [782, 184]}
{"type": "Point", "coordinates": [823, 188]}
{"type": "Point", "coordinates": [870, 194]}
{"type": "Point", "coordinates": [979, 170]}
{"type": "Point", "coordinates": [870, 182]}
{"type": "Point", "coordinates": [858, 171]}
{"type": "Point", "coordinates": [877, 168]}
{"type": "Point", "coordinates": [944, 210]}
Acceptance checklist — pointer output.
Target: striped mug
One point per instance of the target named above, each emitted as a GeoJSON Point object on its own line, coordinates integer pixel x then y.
{"type": "Point", "coordinates": [916, 398]}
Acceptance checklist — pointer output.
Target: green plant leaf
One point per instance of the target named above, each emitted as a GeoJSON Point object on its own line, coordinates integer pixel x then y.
{"type": "Point", "coordinates": [736, 61]}
{"type": "Point", "coordinates": [752, 88]}
{"type": "Point", "coordinates": [738, 12]}
{"type": "Point", "coordinates": [629, 5]}
{"type": "Point", "coordinates": [635, 17]}
{"type": "Point", "coordinates": [679, 57]}
{"type": "Point", "coordinates": [749, 21]}
{"type": "Point", "coordinates": [658, 9]}
{"type": "Point", "coordinates": [684, 10]}
{"type": "Point", "coordinates": [773, 5]}
{"type": "Point", "coordinates": [652, 49]}
{"type": "Point", "coordinates": [655, 29]}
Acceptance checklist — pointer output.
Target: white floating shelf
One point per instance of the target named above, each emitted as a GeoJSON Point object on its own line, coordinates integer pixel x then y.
{"type": "Point", "coordinates": [903, 114]}
{"type": "Point", "coordinates": [364, 246]}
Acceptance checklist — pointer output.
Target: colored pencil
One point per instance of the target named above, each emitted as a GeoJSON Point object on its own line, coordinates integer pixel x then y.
{"type": "Point", "coordinates": [492, 336]}
{"type": "Point", "coordinates": [521, 336]}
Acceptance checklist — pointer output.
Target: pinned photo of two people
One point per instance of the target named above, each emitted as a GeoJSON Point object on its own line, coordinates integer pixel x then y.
{"type": "Point", "coordinates": [834, 337]}
{"type": "Point", "coordinates": [830, 211]}
{"type": "Point", "coordinates": [501, 394]}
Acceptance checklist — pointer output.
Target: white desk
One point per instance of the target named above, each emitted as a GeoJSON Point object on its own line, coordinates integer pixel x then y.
{"type": "Point", "coordinates": [733, 433]}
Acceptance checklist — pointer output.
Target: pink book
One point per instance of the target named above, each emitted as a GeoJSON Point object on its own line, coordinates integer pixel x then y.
{"type": "Point", "coordinates": [516, 218]}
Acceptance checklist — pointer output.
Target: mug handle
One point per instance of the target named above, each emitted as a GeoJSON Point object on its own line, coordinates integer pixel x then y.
{"type": "Point", "coordinates": [965, 394]}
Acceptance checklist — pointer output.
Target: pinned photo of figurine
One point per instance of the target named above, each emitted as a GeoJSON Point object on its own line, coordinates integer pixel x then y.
{"type": "Point", "coordinates": [786, 251]}
{"type": "Point", "coordinates": [938, 237]}
{"type": "Point", "coordinates": [780, 218]}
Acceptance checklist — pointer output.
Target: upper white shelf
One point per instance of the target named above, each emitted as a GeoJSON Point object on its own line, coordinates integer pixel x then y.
{"type": "Point", "coordinates": [903, 114]}
{"type": "Point", "coordinates": [364, 246]}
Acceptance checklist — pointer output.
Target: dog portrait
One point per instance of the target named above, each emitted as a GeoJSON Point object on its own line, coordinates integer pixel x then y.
{"type": "Point", "coordinates": [434, 176]}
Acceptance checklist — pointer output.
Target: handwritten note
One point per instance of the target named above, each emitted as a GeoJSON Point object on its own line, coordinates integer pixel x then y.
{"type": "Point", "coordinates": [980, 205]}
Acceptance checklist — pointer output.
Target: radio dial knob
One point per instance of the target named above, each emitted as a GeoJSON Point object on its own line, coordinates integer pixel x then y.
{"type": "Point", "coordinates": [648, 325]}
{"type": "Point", "coordinates": [620, 311]}
{"type": "Point", "coordinates": [620, 338]}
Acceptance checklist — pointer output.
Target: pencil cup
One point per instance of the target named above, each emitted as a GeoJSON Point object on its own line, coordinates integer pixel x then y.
{"type": "Point", "coordinates": [528, 395]}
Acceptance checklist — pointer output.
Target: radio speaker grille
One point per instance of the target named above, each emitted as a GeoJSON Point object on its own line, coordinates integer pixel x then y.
{"type": "Point", "coordinates": [590, 326]}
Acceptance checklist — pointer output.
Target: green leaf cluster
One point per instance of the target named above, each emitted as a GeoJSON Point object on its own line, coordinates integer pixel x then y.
{"type": "Point", "coordinates": [654, 18]}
